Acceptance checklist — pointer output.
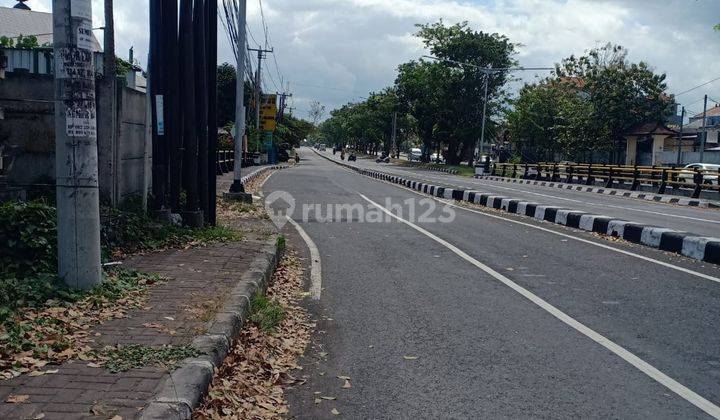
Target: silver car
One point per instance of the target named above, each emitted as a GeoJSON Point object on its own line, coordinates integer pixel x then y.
{"type": "Point", "coordinates": [708, 170]}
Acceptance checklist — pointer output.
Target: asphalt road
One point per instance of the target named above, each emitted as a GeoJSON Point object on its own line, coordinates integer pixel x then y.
{"type": "Point", "coordinates": [682, 218]}
{"type": "Point", "coordinates": [460, 318]}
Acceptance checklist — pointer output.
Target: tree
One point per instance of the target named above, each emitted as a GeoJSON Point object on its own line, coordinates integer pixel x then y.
{"type": "Point", "coordinates": [316, 112]}
{"type": "Point", "coordinates": [226, 82]}
{"type": "Point", "coordinates": [622, 94]}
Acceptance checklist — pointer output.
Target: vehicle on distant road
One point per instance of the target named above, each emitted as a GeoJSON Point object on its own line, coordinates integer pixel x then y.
{"type": "Point", "coordinates": [414, 155]}
{"type": "Point", "coordinates": [709, 173]}
{"type": "Point", "coordinates": [384, 158]}
{"type": "Point", "coordinates": [352, 157]}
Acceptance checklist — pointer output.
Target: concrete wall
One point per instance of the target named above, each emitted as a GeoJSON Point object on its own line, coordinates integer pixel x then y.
{"type": "Point", "coordinates": [131, 142]}
{"type": "Point", "coordinates": [27, 132]}
{"type": "Point", "coordinates": [28, 129]}
{"type": "Point", "coordinates": [687, 158]}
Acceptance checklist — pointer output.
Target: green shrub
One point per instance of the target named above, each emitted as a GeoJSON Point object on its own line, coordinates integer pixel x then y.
{"type": "Point", "coordinates": [28, 239]}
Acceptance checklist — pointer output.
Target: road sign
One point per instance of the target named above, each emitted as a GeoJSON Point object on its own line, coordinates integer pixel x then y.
{"type": "Point", "coordinates": [268, 112]}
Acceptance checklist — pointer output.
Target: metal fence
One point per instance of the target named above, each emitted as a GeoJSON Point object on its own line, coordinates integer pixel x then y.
{"type": "Point", "coordinates": [631, 177]}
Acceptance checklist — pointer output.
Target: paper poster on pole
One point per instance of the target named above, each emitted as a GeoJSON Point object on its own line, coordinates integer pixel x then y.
{"type": "Point", "coordinates": [85, 36]}
{"type": "Point", "coordinates": [160, 115]}
{"type": "Point", "coordinates": [81, 9]}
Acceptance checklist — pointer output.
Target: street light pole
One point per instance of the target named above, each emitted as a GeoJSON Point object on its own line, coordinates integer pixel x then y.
{"type": "Point", "coordinates": [482, 130]}
{"type": "Point", "coordinates": [76, 154]}
{"type": "Point", "coordinates": [237, 189]}
{"type": "Point", "coordinates": [487, 71]}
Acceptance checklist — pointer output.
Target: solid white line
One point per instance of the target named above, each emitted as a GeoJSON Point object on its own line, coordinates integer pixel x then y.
{"type": "Point", "coordinates": [646, 368]}
{"type": "Point", "coordinates": [575, 238]}
{"type": "Point", "coordinates": [492, 184]}
{"type": "Point", "coordinates": [315, 266]}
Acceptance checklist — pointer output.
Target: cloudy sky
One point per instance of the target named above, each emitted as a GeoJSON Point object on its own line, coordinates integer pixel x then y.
{"type": "Point", "coordinates": [336, 51]}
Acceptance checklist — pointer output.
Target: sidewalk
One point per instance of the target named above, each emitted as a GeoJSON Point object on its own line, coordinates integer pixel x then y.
{"type": "Point", "coordinates": [200, 281]}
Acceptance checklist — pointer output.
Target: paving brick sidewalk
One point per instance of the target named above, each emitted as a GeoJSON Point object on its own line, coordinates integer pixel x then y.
{"type": "Point", "coordinates": [184, 306]}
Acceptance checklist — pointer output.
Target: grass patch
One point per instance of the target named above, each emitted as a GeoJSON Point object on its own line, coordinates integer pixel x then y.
{"type": "Point", "coordinates": [267, 314]}
{"type": "Point", "coordinates": [281, 243]}
{"type": "Point", "coordinates": [463, 170]}
{"type": "Point", "coordinates": [124, 358]}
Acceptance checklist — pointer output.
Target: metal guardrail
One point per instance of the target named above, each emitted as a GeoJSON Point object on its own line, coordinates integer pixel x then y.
{"type": "Point", "coordinates": [614, 175]}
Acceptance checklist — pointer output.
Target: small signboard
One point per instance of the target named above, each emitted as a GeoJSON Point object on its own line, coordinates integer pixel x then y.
{"type": "Point", "coordinates": [81, 9]}
{"type": "Point", "coordinates": [268, 113]}
{"type": "Point", "coordinates": [160, 114]}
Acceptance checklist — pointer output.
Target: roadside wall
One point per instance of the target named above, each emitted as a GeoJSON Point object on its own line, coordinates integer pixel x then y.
{"type": "Point", "coordinates": [27, 133]}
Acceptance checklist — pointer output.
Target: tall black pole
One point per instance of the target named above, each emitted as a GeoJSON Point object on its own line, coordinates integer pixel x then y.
{"type": "Point", "coordinates": [159, 162]}
{"type": "Point", "coordinates": [192, 215]}
{"type": "Point", "coordinates": [201, 101]}
{"type": "Point", "coordinates": [212, 108]}
{"type": "Point", "coordinates": [173, 127]}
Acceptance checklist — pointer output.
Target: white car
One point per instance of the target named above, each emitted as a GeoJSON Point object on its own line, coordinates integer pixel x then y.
{"type": "Point", "coordinates": [709, 171]}
{"type": "Point", "coordinates": [414, 155]}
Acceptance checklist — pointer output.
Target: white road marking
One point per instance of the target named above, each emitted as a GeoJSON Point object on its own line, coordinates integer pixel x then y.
{"type": "Point", "coordinates": [646, 368]}
{"type": "Point", "coordinates": [315, 265]}
{"type": "Point", "coordinates": [564, 235]}
{"type": "Point", "coordinates": [487, 184]}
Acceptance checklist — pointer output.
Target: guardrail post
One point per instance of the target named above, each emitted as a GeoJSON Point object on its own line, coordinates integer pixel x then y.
{"type": "Point", "coordinates": [554, 177]}
{"type": "Point", "coordinates": [569, 177]}
{"type": "Point", "coordinates": [663, 182]}
{"type": "Point", "coordinates": [527, 169]}
{"type": "Point", "coordinates": [514, 172]}
{"type": "Point", "coordinates": [218, 166]}
{"type": "Point", "coordinates": [635, 181]}
{"type": "Point", "coordinates": [502, 174]}
{"type": "Point", "coordinates": [674, 177]}
{"type": "Point", "coordinates": [538, 174]}
{"type": "Point", "coordinates": [493, 168]}
{"type": "Point", "coordinates": [590, 180]}
{"type": "Point", "coordinates": [610, 179]}
{"type": "Point", "coordinates": [698, 178]}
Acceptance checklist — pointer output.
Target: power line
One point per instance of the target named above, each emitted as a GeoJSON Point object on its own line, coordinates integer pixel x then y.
{"type": "Point", "coordinates": [697, 87]}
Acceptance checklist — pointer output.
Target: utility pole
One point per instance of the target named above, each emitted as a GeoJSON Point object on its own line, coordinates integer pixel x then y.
{"type": "Point", "coordinates": [258, 80]}
{"type": "Point", "coordinates": [237, 189]}
{"type": "Point", "coordinates": [107, 103]}
{"type": "Point", "coordinates": [394, 136]}
{"type": "Point", "coordinates": [704, 132]}
{"type": "Point", "coordinates": [211, 56]}
{"type": "Point", "coordinates": [76, 155]}
{"type": "Point", "coordinates": [682, 121]}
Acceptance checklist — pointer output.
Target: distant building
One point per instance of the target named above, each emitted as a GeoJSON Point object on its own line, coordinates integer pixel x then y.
{"type": "Point", "coordinates": [712, 127]}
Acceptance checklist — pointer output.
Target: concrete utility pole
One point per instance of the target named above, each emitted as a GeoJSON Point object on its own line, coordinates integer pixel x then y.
{"type": "Point", "coordinates": [237, 189]}
{"type": "Point", "coordinates": [704, 132]}
{"type": "Point", "coordinates": [76, 156]}
{"type": "Point", "coordinates": [682, 121]}
{"type": "Point", "coordinates": [258, 80]}
{"type": "Point", "coordinates": [394, 136]}
{"type": "Point", "coordinates": [107, 115]}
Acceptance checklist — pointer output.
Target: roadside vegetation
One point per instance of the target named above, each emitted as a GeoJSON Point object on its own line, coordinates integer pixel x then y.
{"type": "Point", "coordinates": [580, 111]}
{"type": "Point", "coordinates": [44, 321]}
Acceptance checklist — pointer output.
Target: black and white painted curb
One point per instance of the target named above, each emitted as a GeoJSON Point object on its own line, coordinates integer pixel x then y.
{"type": "Point", "coordinates": [649, 196]}
{"type": "Point", "coordinates": [260, 171]}
{"type": "Point", "coordinates": [432, 168]}
{"type": "Point", "coordinates": [688, 244]}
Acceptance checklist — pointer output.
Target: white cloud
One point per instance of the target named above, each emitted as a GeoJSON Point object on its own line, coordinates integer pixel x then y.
{"type": "Point", "coordinates": [354, 46]}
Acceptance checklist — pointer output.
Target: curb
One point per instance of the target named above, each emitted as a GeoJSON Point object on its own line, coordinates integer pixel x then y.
{"type": "Point", "coordinates": [257, 173]}
{"type": "Point", "coordinates": [183, 391]}
{"type": "Point", "coordinates": [649, 196]}
{"type": "Point", "coordinates": [691, 245]}
{"type": "Point", "coordinates": [431, 168]}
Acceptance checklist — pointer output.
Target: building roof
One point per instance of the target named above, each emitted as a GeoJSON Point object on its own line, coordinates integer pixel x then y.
{"type": "Point", "coordinates": [652, 128]}
{"type": "Point", "coordinates": [712, 112]}
{"type": "Point", "coordinates": [15, 22]}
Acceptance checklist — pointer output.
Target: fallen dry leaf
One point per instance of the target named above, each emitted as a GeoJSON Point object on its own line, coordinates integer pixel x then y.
{"type": "Point", "coordinates": [347, 385]}
{"type": "Point", "coordinates": [335, 412]}
{"type": "Point", "coordinates": [410, 357]}
{"type": "Point", "coordinates": [17, 399]}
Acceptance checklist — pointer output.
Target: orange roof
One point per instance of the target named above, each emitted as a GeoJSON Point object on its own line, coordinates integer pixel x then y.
{"type": "Point", "coordinates": [714, 111]}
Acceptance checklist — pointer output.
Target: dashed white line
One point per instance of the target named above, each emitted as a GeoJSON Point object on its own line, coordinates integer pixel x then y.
{"type": "Point", "coordinates": [646, 368]}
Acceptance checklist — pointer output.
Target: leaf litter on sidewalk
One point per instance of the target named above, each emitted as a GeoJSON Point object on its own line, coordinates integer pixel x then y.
{"type": "Point", "coordinates": [251, 381]}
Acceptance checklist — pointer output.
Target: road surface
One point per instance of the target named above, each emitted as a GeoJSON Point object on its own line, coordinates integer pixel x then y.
{"type": "Point", "coordinates": [702, 221]}
{"type": "Point", "coordinates": [488, 316]}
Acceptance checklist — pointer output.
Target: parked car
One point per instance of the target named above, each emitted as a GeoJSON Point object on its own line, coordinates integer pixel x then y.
{"type": "Point", "coordinates": [414, 155]}
{"type": "Point", "coordinates": [708, 170]}
{"type": "Point", "coordinates": [352, 157]}
{"type": "Point", "coordinates": [435, 158]}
